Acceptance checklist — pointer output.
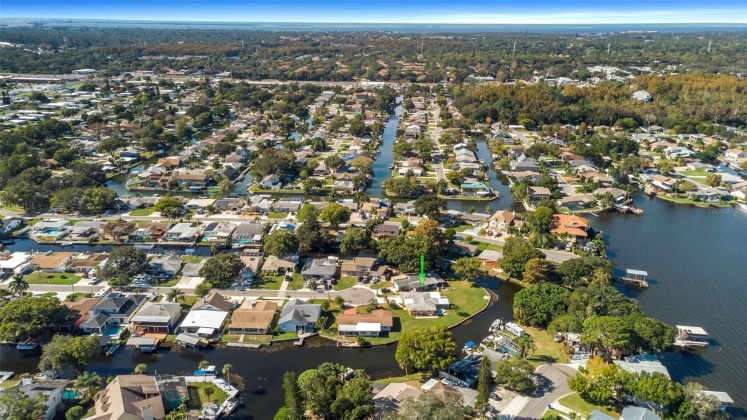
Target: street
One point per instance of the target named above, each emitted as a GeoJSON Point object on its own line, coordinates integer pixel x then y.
{"type": "Point", "coordinates": [552, 385]}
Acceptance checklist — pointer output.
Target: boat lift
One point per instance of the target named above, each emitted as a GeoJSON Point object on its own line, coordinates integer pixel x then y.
{"type": "Point", "coordinates": [636, 278]}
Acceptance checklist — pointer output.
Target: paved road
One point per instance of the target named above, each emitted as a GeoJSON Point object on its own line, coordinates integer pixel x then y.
{"type": "Point", "coordinates": [553, 384]}
{"type": "Point", "coordinates": [434, 135]}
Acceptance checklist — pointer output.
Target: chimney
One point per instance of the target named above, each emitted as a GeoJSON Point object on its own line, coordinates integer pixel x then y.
{"type": "Point", "coordinates": [147, 412]}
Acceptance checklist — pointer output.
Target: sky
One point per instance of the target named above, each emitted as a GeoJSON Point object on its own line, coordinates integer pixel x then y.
{"type": "Point", "coordinates": [388, 11]}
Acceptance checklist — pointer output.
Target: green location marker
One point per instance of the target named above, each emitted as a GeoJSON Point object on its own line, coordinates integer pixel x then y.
{"type": "Point", "coordinates": [422, 271]}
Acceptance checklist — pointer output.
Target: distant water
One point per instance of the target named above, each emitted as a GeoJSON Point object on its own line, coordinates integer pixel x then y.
{"type": "Point", "coordinates": [383, 27]}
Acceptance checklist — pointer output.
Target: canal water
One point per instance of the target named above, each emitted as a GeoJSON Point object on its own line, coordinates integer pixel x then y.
{"type": "Point", "coordinates": [386, 157]}
{"type": "Point", "coordinates": [262, 370]}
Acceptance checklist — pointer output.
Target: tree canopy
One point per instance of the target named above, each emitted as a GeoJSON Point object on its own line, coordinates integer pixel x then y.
{"type": "Point", "coordinates": [426, 349]}
{"type": "Point", "coordinates": [222, 270]}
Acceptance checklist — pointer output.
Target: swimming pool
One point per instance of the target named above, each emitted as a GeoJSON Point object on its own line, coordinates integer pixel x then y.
{"type": "Point", "coordinates": [114, 331]}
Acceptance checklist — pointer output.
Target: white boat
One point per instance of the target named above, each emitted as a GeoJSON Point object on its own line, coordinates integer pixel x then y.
{"type": "Point", "coordinates": [27, 345]}
{"type": "Point", "coordinates": [67, 243]}
{"type": "Point", "coordinates": [496, 325]}
{"type": "Point", "coordinates": [230, 406]}
{"type": "Point", "coordinates": [742, 206]}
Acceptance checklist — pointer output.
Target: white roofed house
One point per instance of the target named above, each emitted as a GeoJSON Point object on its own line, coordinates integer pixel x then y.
{"type": "Point", "coordinates": [182, 232]}
{"type": "Point", "coordinates": [46, 227]}
{"type": "Point", "coordinates": [271, 182]}
{"type": "Point", "coordinates": [156, 317]}
{"type": "Point", "coordinates": [319, 268]}
{"type": "Point", "coordinates": [642, 96]}
{"type": "Point", "coordinates": [218, 232]}
{"type": "Point", "coordinates": [199, 203]}
{"type": "Point", "coordinates": [411, 282]}
{"type": "Point", "coordinates": [207, 316]}
{"type": "Point", "coordinates": [424, 303]}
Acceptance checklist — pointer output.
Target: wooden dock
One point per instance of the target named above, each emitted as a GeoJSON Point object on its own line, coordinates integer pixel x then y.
{"type": "Point", "coordinates": [244, 345]}
{"type": "Point", "coordinates": [635, 278]}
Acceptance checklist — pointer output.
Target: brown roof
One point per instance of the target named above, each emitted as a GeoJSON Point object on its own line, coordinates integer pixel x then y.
{"type": "Point", "coordinates": [259, 316]}
{"type": "Point", "coordinates": [215, 299]}
{"type": "Point", "coordinates": [51, 261]}
{"type": "Point", "coordinates": [381, 316]}
{"type": "Point", "coordinates": [87, 259]}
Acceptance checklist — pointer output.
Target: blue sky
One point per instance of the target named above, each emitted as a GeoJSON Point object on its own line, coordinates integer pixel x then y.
{"type": "Point", "coordinates": [388, 11]}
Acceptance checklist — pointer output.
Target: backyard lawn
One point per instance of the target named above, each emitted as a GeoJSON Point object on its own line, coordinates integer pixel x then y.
{"type": "Point", "coordinates": [297, 282]}
{"type": "Point", "coordinates": [576, 403]}
{"type": "Point", "coordinates": [208, 392]}
{"type": "Point", "coordinates": [277, 215]}
{"type": "Point", "coordinates": [345, 282]}
{"type": "Point", "coordinates": [191, 259]}
{"type": "Point", "coordinates": [51, 278]}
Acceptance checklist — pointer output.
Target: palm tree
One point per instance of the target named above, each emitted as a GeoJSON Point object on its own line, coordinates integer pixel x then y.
{"type": "Point", "coordinates": [204, 364]}
{"type": "Point", "coordinates": [340, 302]}
{"type": "Point", "coordinates": [174, 294]}
{"type": "Point", "coordinates": [213, 249]}
{"type": "Point", "coordinates": [227, 371]}
{"type": "Point", "coordinates": [141, 368]}
{"type": "Point", "coordinates": [38, 271]}
{"type": "Point", "coordinates": [526, 345]}
{"type": "Point", "coordinates": [18, 285]}
{"type": "Point", "coordinates": [90, 382]}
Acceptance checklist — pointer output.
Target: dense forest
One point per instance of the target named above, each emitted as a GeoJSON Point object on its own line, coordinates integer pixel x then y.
{"type": "Point", "coordinates": [346, 56]}
{"type": "Point", "coordinates": [680, 102]}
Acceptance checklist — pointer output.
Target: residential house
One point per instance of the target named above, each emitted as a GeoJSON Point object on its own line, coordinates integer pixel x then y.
{"type": "Point", "coordinates": [320, 268]}
{"type": "Point", "coordinates": [576, 227]}
{"type": "Point", "coordinates": [641, 96]}
{"type": "Point", "coordinates": [735, 154]}
{"type": "Point", "coordinates": [463, 248]}
{"type": "Point", "coordinates": [524, 163]}
{"type": "Point", "coordinates": [274, 265]}
{"type": "Point", "coordinates": [192, 179]}
{"type": "Point", "coordinates": [10, 224]}
{"type": "Point", "coordinates": [368, 325]}
{"type": "Point", "coordinates": [229, 204]}
{"type": "Point", "coordinates": [150, 231]}
{"type": "Point", "coordinates": [503, 220]}
{"type": "Point", "coordinates": [193, 269]}
{"type": "Point", "coordinates": [618, 194]}
{"type": "Point", "coordinates": [358, 267]}
{"type": "Point", "coordinates": [164, 266]}
{"type": "Point", "coordinates": [206, 316]}
{"type": "Point", "coordinates": [664, 183]}
{"type": "Point", "coordinates": [638, 413]}
{"type": "Point", "coordinates": [539, 193]}
{"type": "Point", "coordinates": [299, 316]}
{"type": "Point", "coordinates": [478, 189]}
{"type": "Point", "coordinates": [490, 258]}
{"type": "Point", "coordinates": [113, 309]}
{"type": "Point", "coordinates": [643, 363]}
{"type": "Point", "coordinates": [218, 232]}
{"type": "Point", "coordinates": [407, 209]}
{"type": "Point", "coordinates": [578, 201]}
{"type": "Point", "coordinates": [249, 234]}
{"type": "Point", "coordinates": [86, 228]}
{"type": "Point", "coordinates": [411, 282]}
{"type": "Point", "coordinates": [288, 204]}
{"type": "Point", "coordinates": [157, 317]}
{"type": "Point", "coordinates": [86, 262]}
{"type": "Point", "coordinates": [386, 230]}
{"type": "Point", "coordinates": [55, 263]}
{"type": "Point", "coordinates": [129, 397]}
{"type": "Point", "coordinates": [252, 261]}
{"type": "Point", "coordinates": [49, 391]}
{"type": "Point", "coordinates": [392, 399]}
{"type": "Point", "coordinates": [182, 232]}
{"type": "Point", "coordinates": [253, 317]}
{"type": "Point", "coordinates": [424, 303]}
{"type": "Point", "coordinates": [271, 182]}
{"type": "Point", "coordinates": [51, 228]}
{"type": "Point", "coordinates": [200, 204]}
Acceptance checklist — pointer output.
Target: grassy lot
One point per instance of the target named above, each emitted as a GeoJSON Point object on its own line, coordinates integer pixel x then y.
{"type": "Point", "coordinates": [547, 349]}
{"type": "Point", "coordinates": [216, 395]}
{"type": "Point", "coordinates": [465, 300]}
{"type": "Point", "coordinates": [576, 403]}
{"type": "Point", "coordinates": [191, 259]}
{"type": "Point", "coordinates": [170, 283]}
{"type": "Point", "coordinates": [9, 383]}
{"type": "Point", "coordinates": [257, 339]}
{"type": "Point", "coordinates": [277, 215]}
{"type": "Point", "coordinates": [552, 414]}
{"type": "Point", "coordinates": [187, 300]}
{"type": "Point", "coordinates": [143, 212]}
{"type": "Point", "coordinates": [684, 200]}
{"type": "Point", "coordinates": [230, 338]}
{"type": "Point", "coordinates": [699, 174]}
{"type": "Point", "coordinates": [51, 278]}
{"type": "Point", "coordinates": [345, 282]}
{"type": "Point", "coordinates": [285, 336]}
{"type": "Point", "coordinates": [406, 378]}
{"type": "Point", "coordinates": [268, 282]}
{"type": "Point", "coordinates": [297, 282]}
{"type": "Point", "coordinates": [14, 209]}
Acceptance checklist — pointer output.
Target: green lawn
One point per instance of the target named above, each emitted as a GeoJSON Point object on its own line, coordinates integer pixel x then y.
{"type": "Point", "coordinates": [465, 299]}
{"type": "Point", "coordinates": [216, 395]}
{"type": "Point", "coordinates": [685, 200]}
{"type": "Point", "coordinates": [285, 336]}
{"type": "Point", "coordinates": [552, 414]}
{"type": "Point", "coordinates": [277, 215]}
{"type": "Point", "coordinates": [268, 282]}
{"type": "Point", "coordinates": [297, 282]}
{"type": "Point", "coordinates": [548, 351]}
{"type": "Point", "coordinates": [576, 403]}
{"type": "Point", "coordinates": [51, 278]}
{"type": "Point", "coordinates": [406, 378]}
{"type": "Point", "coordinates": [170, 283]}
{"type": "Point", "coordinates": [187, 300]}
{"type": "Point", "coordinates": [143, 212]}
{"type": "Point", "coordinates": [345, 282]}
{"type": "Point", "coordinates": [191, 259]}
{"type": "Point", "coordinates": [9, 383]}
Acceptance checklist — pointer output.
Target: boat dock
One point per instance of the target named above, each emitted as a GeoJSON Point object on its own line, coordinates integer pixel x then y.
{"type": "Point", "coordinates": [244, 345]}
{"type": "Point", "coordinates": [622, 208]}
{"type": "Point", "coordinates": [301, 338]}
{"type": "Point", "coordinates": [635, 278]}
{"type": "Point", "coordinates": [690, 337]}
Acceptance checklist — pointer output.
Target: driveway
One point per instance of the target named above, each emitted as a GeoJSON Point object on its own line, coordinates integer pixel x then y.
{"type": "Point", "coordinates": [552, 385]}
